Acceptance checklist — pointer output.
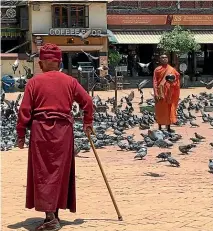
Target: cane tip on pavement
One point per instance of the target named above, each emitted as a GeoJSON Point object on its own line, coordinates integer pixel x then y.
{"type": "Point", "coordinates": [120, 218]}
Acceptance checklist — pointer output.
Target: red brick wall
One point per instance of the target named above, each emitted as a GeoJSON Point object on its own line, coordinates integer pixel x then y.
{"type": "Point", "coordinates": [206, 4]}
{"type": "Point", "coordinates": [148, 4]}
{"type": "Point", "coordinates": [124, 3]}
{"type": "Point", "coordinates": [166, 3]}
{"type": "Point", "coordinates": [187, 4]}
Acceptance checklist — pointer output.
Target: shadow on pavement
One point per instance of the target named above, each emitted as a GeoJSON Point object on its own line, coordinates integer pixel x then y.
{"type": "Point", "coordinates": [31, 223]}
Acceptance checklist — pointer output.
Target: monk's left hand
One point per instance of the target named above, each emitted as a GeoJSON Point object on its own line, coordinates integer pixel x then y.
{"type": "Point", "coordinates": [21, 142]}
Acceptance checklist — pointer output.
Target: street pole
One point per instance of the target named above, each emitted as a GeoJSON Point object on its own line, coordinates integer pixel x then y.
{"type": "Point", "coordinates": [93, 83]}
{"type": "Point", "coordinates": [116, 91]}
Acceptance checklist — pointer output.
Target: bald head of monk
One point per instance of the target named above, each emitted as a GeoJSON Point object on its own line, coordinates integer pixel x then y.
{"type": "Point", "coordinates": [164, 59]}
{"type": "Point", "coordinates": [50, 57]}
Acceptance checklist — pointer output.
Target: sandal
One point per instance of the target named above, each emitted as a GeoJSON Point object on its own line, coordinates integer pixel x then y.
{"type": "Point", "coordinates": [53, 225]}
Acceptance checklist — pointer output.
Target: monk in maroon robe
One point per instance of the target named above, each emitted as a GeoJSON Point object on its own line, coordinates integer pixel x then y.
{"type": "Point", "coordinates": [45, 109]}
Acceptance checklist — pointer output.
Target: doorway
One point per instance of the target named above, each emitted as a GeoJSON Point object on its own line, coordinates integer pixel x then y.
{"type": "Point", "coordinates": [70, 61]}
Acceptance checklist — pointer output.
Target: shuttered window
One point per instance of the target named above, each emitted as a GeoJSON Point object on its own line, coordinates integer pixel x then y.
{"type": "Point", "coordinates": [70, 16]}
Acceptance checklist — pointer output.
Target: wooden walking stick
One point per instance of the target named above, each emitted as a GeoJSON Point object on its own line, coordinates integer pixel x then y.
{"type": "Point", "coordinates": [104, 176]}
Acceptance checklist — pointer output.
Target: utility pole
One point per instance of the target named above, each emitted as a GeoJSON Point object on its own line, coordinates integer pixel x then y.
{"type": "Point", "coordinates": [116, 90]}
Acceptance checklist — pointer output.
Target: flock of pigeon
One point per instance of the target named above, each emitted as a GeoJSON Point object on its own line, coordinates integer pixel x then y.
{"type": "Point", "coordinates": [111, 127]}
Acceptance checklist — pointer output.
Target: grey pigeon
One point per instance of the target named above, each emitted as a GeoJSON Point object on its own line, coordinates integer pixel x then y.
{"type": "Point", "coordinates": [173, 162]}
{"type": "Point", "coordinates": [210, 165]}
{"type": "Point", "coordinates": [164, 155]}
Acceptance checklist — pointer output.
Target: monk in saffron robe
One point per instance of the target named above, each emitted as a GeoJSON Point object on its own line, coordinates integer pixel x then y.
{"type": "Point", "coordinates": [45, 109]}
{"type": "Point", "coordinates": [166, 93]}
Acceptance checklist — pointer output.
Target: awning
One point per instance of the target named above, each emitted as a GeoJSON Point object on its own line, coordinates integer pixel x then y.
{"type": "Point", "coordinates": [153, 37]}
{"type": "Point", "coordinates": [203, 37]}
{"type": "Point", "coordinates": [111, 37]}
{"type": "Point", "coordinates": [138, 37]}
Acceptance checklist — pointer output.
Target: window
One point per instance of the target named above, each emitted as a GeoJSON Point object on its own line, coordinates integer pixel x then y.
{"type": "Point", "coordinates": [70, 16]}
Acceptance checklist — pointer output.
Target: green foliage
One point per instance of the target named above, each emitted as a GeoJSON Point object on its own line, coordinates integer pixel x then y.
{"type": "Point", "coordinates": [114, 57]}
{"type": "Point", "coordinates": [179, 41]}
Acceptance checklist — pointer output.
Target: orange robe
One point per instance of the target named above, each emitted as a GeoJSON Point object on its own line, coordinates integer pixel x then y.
{"type": "Point", "coordinates": [165, 109]}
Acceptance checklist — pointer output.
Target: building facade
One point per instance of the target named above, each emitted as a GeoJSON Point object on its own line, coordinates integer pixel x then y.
{"type": "Point", "coordinates": [64, 24]}
{"type": "Point", "coordinates": [138, 25]}
{"type": "Point", "coordinates": [14, 36]}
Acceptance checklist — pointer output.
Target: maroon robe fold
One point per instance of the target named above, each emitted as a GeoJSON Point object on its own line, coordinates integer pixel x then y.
{"type": "Point", "coordinates": [46, 107]}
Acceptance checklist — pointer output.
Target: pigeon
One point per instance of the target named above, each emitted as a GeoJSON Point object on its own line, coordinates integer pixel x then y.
{"type": "Point", "coordinates": [76, 149]}
{"type": "Point", "coordinates": [15, 65]}
{"type": "Point", "coordinates": [199, 136]}
{"type": "Point", "coordinates": [90, 57]}
{"type": "Point", "coordinates": [205, 119]}
{"type": "Point", "coordinates": [210, 117]}
{"type": "Point", "coordinates": [144, 126]}
{"type": "Point", "coordinates": [85, 35]}
{"type": "Point", "coordinates": [173, 161]}
{"type": "Point", "coordinates": [208, 85]}
{"type": "Point", "coordinates": [163, 144]}
{"type": "Point", "coordinates": [195, 140]}
{"type": "Point", "coordinates": [80, 69]}
{"type": "Point", "coordinates": [164, 155]}
{"type": "Point", "coordinates": [211, 165]}
{"type": "Point", "coordinates": [193, 124]}
{"type": "Point", "coordinates": [28, 72]}
{"type": "Point", "coordinates": [141, 153]}
{"type": "Point", "coordinates": [123, 146]}
{"type": "Point", "coordinates": [31, 56]}
{"type": "Point", "coordinates": [142, 84]}
{"type": "Point", "coordinates": [103, 68]}
{"type": "Point", "coordinates": [145, 67]}
{"type": "Point", "coordinates": [211, 144]}
{"type": "Point", "coordinates": [186, 148]}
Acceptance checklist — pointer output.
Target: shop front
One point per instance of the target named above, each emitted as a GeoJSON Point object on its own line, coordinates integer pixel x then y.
{"type": "Point", "coordinates": [72, 44]}
{"type": "Point", "coordinates": [137, 36]}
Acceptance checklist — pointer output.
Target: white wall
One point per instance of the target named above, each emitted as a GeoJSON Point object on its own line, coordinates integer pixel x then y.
{"type": "Point", "coordinates": [42, 20]}
{"type": "Point", "coordinates": [98, 15]}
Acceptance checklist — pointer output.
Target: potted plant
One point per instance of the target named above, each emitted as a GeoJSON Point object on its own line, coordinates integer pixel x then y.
{"type": "Point", "coordinates": [114, 58]}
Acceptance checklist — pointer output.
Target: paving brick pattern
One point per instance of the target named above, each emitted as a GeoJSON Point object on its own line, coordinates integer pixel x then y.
{"type": "Point", "coordinates": [180, 199]}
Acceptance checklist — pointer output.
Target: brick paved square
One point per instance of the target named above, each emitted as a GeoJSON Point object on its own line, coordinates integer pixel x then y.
{"type": "Point", "coordinates": [180, 200]}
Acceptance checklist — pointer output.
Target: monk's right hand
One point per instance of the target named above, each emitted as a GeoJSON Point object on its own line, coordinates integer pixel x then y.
{"type": "Point", "coordinates": [21, 142]}
{"type": "Point", "coordinates": [88, 129]}
{"type": "Point", "coordinates": [157, 97]}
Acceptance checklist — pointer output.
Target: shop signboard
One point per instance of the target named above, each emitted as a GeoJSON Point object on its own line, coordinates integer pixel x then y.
{"type": "Point", "coordinates": [192, 20]}
{"type": "Point", "coordinates": [136, 19]}
{"type": "Point", "coordinates": [188, 20]}
{"type": "Point", "coordinates": [75, 31]}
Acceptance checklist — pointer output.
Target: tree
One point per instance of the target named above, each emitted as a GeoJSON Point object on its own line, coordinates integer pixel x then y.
{"type": "Point", "coordinates": [178, 41]}
{"type": "Point", "coordinates": [114, 57]}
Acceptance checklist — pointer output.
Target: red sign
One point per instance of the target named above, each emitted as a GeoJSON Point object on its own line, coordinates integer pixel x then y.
{"type": "Point", "coordinates": [136, 19]}
{"type": "Point", "coordinates": [192, 20]}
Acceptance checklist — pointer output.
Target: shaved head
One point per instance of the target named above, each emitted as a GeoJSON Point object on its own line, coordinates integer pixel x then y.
{"type": "Point", "coordinates": [164, 59]}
